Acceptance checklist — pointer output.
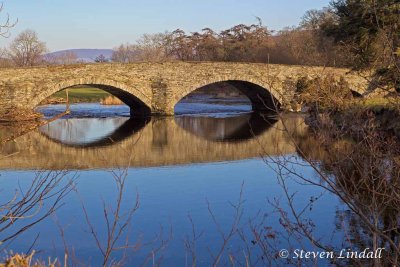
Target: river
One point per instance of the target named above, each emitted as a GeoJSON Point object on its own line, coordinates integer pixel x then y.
{"type": "Point", "coordinates": [188, 181]}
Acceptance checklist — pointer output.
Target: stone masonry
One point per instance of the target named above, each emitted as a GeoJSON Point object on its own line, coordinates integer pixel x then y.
{"type": "Point", "coordinates": [157, 87]}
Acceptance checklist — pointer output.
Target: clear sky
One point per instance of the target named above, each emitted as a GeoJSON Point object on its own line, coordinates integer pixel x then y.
{"type": "Point", "coordinates": [65, 24]}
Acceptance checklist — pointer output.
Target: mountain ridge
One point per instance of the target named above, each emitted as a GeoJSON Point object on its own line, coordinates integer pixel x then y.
{"type": "Point", "coordinates": [85, 54]}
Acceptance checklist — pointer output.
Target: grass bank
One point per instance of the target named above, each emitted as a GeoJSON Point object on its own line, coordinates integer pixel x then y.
{"type": "Point", "coordinates": [355, 117]}
{"type": "Point", "coordinates": [377, 104]}
{"type": "Point", "coordinates": [78, 95]}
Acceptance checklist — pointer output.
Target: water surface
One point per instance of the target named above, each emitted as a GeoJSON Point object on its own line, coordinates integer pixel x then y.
{"type": "Point", "coordinates": [187, 166]}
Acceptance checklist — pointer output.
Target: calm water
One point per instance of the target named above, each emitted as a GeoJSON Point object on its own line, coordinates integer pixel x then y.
{"type": "Point", "coordinates": [187, 166]}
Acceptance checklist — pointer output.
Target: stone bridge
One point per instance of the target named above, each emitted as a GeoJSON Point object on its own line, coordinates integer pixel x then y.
{"type": "Point", "coordinates": [158, 87]}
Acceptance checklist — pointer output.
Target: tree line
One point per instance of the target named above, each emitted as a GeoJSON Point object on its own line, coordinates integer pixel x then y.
{"type": "Point", "coordinates": [302, 45]}
{"type": "Point", "coordinates": [348, 33]}
{"type": "Point", "coordinates": [359, 34]}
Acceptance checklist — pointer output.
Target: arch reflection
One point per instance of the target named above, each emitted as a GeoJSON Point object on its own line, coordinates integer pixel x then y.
{"type": "Point", "coordinates": [90, 132]}
{"type": "Point", "coordinates": [159, 143]}
{"type": "Point", "coordinates": [227, 129]}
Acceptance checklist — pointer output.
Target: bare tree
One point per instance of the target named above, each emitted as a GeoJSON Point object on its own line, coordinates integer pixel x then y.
{"type": "Point", "coordinates": [65, 58]}
{"type": "Point", "coordinates": [117, 223]}
{"type": "Point", "coordinates": [28, 205]}
{"type": "Point", "coordinates": [4, 61]}
{"type": "Point", "coordinates": [123, 54]}
{"type": "Point", "coordinates": [151, 47]}
{"type": "Point", "coordinates": [26, 49]}
{"type": "Point", "coordinates": [101, 59]}
{"type": "Point", "coordinates": [6, 25]}
{"type": "Point", "coordinates": [4, 32]}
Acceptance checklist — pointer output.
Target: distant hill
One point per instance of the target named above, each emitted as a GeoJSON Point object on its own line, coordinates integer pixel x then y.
{"type": "Point", "coordinates": [86, 55]}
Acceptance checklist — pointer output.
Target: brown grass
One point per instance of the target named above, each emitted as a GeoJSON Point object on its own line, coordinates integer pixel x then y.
{"type": "Point", "coordinates": [21, 260]}
{"type": "Point", "coordinates": [111, 100]}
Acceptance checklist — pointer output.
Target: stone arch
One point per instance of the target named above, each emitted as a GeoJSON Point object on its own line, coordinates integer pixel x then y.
{"type": "Point", "coordinates": [356, 94]}
{"type": "Point", "coordinates": [261, 97]}
{"type": "Point", "coordinates": [136, 100]}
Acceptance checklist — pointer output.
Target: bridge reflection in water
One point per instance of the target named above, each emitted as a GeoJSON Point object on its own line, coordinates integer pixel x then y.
{"type": "Point", "coordinates": [93, 143]}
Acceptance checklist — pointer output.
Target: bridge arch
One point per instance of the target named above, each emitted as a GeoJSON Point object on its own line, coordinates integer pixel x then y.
{"type": "Point", "coordinates": [136, 100]}
{"type": "Point", "coordinates": [356, 94]}
{"type": "Point", "coordinates": [261, 97]}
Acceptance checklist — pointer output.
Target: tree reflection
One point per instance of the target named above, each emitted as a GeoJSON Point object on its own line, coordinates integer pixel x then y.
{"type": "Point", "coordinates": [363, 170]}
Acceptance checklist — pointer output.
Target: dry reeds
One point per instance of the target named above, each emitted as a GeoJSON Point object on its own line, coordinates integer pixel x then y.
{"type": "Point", "coordinates": [22, 260]}
{"type": "Point", "coordinates": [111, 100]}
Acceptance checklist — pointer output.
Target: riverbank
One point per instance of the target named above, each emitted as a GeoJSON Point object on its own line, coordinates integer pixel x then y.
{"type": "Point", "coordinates": [77, 95]}
{"type": "Point", "coordinates": [356, 117]}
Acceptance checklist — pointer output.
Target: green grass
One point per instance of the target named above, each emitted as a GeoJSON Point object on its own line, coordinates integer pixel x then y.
{"type": "Point", "coordinates": [378, 103]}
{"type": "Point", "coordinates": [82, 94]}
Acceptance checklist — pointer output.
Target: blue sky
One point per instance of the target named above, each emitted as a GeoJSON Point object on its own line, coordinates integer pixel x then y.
{"type": "Point", "coordinates": [68, 24]}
